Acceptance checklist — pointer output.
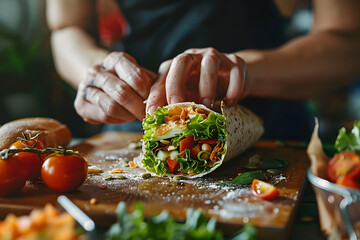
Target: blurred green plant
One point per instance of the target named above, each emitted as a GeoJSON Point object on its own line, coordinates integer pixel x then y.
{"type": "Point", "coordinates": [197, 226]}
{"type": "Point", "coordinates": [20, 60]}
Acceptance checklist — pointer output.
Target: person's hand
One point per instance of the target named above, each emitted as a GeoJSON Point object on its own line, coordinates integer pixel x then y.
{"type": "Point", "coordinates": [114, 93]}
{"type": "Point", "coordinates": [202, 76]}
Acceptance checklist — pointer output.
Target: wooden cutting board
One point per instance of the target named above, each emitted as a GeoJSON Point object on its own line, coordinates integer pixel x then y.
{"type": "Point", "coordinates": [231, 205]}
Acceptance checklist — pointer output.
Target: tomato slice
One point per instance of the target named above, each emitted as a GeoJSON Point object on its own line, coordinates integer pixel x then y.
{"type": "Point", "coordinates": [342, 164]}
{"type": "Point", "coordinates": [186, 143]}
{"type": "Point", "coordinates": [263, 190]}
{"type": "Point", "coordinates": [172, 163]}
{"type": "Point", "coordinates": [209, 141]}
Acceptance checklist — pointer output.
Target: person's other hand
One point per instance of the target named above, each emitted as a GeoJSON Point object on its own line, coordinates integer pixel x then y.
{"type": "Point", "coordinates": [202, 76]}
{"type": "Point", "coordinates": [114, 93]}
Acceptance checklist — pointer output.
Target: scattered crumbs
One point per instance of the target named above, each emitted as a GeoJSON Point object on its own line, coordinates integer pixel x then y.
{"type": "Point", "coordinates": [117, 170]}
{"type": "Point", "coordinates": [279, 178]}
{"type": "Point", "coordinates": [132, 164]}
{"type": "Point", "coordinates": [93, 201]}
{"type": "Point", "coordinates": [103, 187]}
{"type": "Point", "coordinates": [94, 170]}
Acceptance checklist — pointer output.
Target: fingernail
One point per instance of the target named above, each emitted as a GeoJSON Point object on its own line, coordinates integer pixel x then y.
{"type": "Point", "coordinates": [229, 103]}
{"type": "Point", "coordinates": [207, 102]}
{"type": "Point", "coordinates": [151, 109]}
{"type": "Point", "coordinates": [175, 99]}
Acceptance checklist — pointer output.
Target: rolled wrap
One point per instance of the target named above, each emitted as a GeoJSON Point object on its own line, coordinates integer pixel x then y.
{"type": "Point", "coordinates": [242, 129]}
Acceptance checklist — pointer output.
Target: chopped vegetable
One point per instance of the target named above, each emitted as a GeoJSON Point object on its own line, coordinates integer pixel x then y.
{"type": "Point", "coordinates": [172, 164]}
{"type": "Point", "coordinates": [342, 164]}
{"type": "Point", "coordinates": [263, 190]}
{"type": "Point", "coordinates": [132, 164]}
{"type": "Point", "coordinates": [117, 170]}
{"type": "Point", "coordinates": [187, 143]}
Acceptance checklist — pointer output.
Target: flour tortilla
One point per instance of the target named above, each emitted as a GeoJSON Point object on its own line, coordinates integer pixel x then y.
{"type": "Point", "coordinates": [243, 129]}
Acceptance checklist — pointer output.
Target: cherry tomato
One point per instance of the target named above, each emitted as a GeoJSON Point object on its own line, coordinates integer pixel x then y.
{"type": "Point", "coordinates": [12, 175]}
{"type": "Point", "coordinates": [31, 161]}
{"type": "Point", "coordinates": [342, 164]}
{"type": "Point", "coordinates": [64, 173]}
{"type": "Point", "coordinates": [348, 181]}
{"type": "Point", "coordinates": [263, 190]}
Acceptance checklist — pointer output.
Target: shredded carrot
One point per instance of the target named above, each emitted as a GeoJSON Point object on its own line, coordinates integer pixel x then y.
{"type": "Point", "coordinates": [215, 151]}
{"type": "Point", "coordinates": [132, 164]}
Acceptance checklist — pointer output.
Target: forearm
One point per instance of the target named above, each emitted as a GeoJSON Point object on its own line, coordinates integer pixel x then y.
{"type": "Point", "coordinates": [74, 52]}
{"type": "Point", "coordinates": [305, 67]}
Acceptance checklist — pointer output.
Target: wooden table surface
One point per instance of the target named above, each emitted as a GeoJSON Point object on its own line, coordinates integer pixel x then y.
{"type": "Point", "coordinates": [231, 205]}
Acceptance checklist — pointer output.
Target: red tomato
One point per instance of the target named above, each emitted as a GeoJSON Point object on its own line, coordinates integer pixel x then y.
{"type": "Point", "coordinates": [348, 181]}
{"type": "Point", "coordinates": [172, 163]}
{"type": "Point", "coordinates": [342, 164]}
{"type": "Point", "coordinates": [64, 173]}
{"type": "Point", "coordinates": [194, 151]}
{"type": "Point", "coordinates": [263, 190]}
{"type": "Point", "coordinates": [186, 143]}
{"type": "Point", "coordinates": [32, 162]}
{"type": "Point", "coordinates": [12, 175]}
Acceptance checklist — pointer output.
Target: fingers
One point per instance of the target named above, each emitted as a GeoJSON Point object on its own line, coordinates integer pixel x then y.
{"type": "Point", "coordinates": [179, 72]}
{"type": "Point", "coordinates": [157, 95]}
{"type": "Point", "coordinates": [104, 98]}
{"type": "Point", "coordinates": [116, 97]}
{"type": "Point", "coordinates": [210, 65]}
{"type": "Point", "coordinates": [126, 68]}
{"type": "Point", "coordinates": [237, 87]}
{"type": "Point", "coordinates": [88, 111]}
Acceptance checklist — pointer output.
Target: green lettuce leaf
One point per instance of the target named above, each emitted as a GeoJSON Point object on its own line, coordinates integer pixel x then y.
{"type": "Point", "coordinates": [349, 141]}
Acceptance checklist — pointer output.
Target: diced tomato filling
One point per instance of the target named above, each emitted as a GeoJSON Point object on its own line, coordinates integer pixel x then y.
{"type": "Point", "coordinates": [172, 164]}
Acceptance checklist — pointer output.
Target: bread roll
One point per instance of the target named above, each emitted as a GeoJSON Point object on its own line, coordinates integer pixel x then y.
{"type": "Point", "coordinates": [54, 133]}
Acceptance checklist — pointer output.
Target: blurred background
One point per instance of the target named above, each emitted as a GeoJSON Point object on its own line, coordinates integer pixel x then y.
{"type": "Point", "coordinates": [30, 87]}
